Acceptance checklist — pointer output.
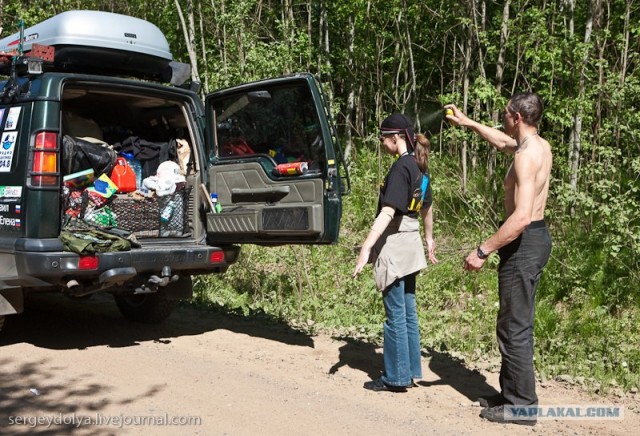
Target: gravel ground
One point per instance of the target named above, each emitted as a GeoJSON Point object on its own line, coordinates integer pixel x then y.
{"type": "Point", "coordinates": [77, 367]}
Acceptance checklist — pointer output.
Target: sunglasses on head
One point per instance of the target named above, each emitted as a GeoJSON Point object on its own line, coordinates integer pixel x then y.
{"type": "Point", "coordinates": [386, 133]}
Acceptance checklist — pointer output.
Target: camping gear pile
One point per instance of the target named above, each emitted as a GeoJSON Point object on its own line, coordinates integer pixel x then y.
{"type": "Point", "coordinates": [136, 186]}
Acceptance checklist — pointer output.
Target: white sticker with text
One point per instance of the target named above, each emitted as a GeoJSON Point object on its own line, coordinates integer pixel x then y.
{"type": "Point", "coordinates": [10, 191]}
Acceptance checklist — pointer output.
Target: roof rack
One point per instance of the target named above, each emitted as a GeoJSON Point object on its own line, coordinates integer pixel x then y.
{"type": "Point", "coordinates": [31, 62]}
{"type": "Point", "coordinates": [94, 42]}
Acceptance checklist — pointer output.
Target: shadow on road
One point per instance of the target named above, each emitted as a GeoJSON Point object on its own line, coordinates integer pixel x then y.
{"type": "Point", "coordinates": [37, 398]}
{"type": "Point", "coordinates": [453, 372]}
{"type": "Point", "coordinates": [364, 357]}
{"type": "Point", "coordinates": [359, 355]}
{"type": "Point", "coordinates": [57, 322]}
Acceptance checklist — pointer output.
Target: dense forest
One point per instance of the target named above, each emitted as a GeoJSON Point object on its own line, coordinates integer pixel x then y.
{"type": "Point", "coordinates": [374, 57]}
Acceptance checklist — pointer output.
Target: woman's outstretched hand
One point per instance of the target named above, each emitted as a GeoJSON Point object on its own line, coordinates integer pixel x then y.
{"type": "Point", "coordinates": [363, 259]}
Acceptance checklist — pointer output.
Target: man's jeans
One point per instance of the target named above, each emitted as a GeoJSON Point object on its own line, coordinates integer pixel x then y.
{"type": "Point", "coordinates": [521, 264]}
{"type": "Point", "coordinates": [401, 333]}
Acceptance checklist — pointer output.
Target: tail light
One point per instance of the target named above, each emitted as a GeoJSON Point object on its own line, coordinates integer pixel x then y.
{"type": "Point", "coordinates": [79, 263]}
{"type": "Point", "coordinates": [88, 263]}
{"type": "Point", "coordinates": [45, 160]}
{"type": "Point", "coordinates": [216, 257]}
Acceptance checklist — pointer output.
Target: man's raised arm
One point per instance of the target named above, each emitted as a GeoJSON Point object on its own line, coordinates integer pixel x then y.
{"type": "Point", "coordinates": [500, 140]}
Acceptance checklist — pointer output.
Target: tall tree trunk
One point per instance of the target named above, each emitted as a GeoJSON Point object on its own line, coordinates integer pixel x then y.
{"type": "Point", "coordinates": [189, 37]}
{"type": "Point", "coordinates": [203, 48]}
{"type": "Point", "coordinates": [602, 45]}
{"type": "Point", "coordinates": [577, 123]}
{"type": "Point", "coordinates": [495, 116]}
{"type": "Point", "coordinates": [309, 30]}
{"type": "Point", "coordinates": [360, 109]}
{"type": "Point", "coordinates": [398, 89]}
{"type": "Point", "coordinates": [327, 56]}
{"type": "Point", "coordinates": [476, 34]}
{"type": "Point", "coordinates": [625, 60]}
{"type": "Point", "coordinates": [465, 99]}
{"type": "Point", "coordinates": [412, 67]}
{"type": "Point", "coordinates": [351, 98]}
{"type": "Point", "coordinates": [221, 35]}
{"type": "Point", "coordinates": [379, 88]}
{"type": "Point", "coordinates": [321, 26]}
{"type": "Point", "coordinates": [288, 30]}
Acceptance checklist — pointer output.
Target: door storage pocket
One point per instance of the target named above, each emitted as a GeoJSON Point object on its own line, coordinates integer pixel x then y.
{"type": "Point", "coordinates": [233, 220]}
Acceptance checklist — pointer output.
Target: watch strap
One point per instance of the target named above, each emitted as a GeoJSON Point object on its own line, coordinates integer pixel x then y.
{"type": "Point", "coordinates": [481, 254]}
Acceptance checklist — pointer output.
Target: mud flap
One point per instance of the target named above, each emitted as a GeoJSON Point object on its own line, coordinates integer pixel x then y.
{"type": "Point", "coordinates": [11, 301]}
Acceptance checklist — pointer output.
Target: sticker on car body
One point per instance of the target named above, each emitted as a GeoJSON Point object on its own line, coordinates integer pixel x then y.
{"type": "Point", "coordinates": [7, 146]}
{"type": "Point", "coordinates": [7, 192]}
{"type": "Point", "coordinates": [12, 118]}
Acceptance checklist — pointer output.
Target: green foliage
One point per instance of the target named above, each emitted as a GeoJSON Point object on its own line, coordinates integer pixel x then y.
{"type": "Point", "coordinates": [601, 227]}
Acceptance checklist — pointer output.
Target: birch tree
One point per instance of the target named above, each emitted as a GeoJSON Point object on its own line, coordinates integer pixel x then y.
{"type": "Point", "coordinates": [189, 33]}
{"type": "Point", "coordinates": [576, 133]}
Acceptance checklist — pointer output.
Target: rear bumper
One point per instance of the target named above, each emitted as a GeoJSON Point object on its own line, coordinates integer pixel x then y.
{"type": "Point", "coordinates": [42, 269]}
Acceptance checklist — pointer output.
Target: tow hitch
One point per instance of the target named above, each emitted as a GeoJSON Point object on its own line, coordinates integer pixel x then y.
{"type": "Point", "coordinates": [154, 282]}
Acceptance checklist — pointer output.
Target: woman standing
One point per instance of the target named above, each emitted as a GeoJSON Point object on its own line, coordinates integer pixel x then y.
{"type": "Point", "coordinates": [396, 251]}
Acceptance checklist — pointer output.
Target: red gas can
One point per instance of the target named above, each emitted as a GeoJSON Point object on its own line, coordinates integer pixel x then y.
{"type": "Point", "coordinates": [123, 176]}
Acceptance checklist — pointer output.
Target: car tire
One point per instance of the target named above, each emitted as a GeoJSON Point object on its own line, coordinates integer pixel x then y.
{"type": "Point", "coordinates": [145, 308]}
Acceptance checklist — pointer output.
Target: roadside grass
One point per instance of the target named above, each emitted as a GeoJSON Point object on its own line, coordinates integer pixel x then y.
{"type": "Point", "coordinates": [586, 329]}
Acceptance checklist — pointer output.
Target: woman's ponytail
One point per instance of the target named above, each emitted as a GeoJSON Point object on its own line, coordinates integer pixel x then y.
{"type": "Point", "coordinates": [421, 152]}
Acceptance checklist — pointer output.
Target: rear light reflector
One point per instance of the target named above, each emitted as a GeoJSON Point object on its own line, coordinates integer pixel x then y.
{"type": "Point", "coordinates": [77, 263]}
{"type": "Point", "coordinates": [216, 257]}
{"type": "Point", "coordinates": [88, 263]}
{"type": "Point", "coordinates": [45, 159]}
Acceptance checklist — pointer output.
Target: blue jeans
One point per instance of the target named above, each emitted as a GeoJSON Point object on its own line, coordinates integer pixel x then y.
{"type": "Point", "coordinates": [401, 333]}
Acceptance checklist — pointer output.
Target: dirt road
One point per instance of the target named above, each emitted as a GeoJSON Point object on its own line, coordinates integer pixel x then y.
{"type": "Point", "coordinates": [78, 368]}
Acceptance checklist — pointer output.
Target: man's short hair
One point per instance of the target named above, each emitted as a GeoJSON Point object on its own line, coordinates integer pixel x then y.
{"type": "Point", "coordinates": [529, 105]}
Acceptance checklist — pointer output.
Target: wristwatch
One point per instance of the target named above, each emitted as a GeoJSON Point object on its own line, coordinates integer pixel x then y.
{"type": "Point", "coordinates": [481, 254]}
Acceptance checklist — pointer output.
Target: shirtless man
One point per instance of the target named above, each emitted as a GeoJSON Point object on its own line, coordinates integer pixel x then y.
{"type": "Point", "coordinates": [523, 244]}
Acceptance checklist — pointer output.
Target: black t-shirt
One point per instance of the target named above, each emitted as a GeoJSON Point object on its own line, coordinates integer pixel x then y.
{"type": "Point", "coordinates": [402, 188]}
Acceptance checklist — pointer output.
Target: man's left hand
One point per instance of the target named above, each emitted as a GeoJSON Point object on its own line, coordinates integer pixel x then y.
{"type": "Point", "coordinates": [473, 262]}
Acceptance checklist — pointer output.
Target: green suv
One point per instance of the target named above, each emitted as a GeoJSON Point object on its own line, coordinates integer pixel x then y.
{"type": "Point", "coordinates": [257, 163]}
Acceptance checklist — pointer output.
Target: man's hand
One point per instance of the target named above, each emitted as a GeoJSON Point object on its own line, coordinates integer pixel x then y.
{"type": "Point", "coordinates": [499, 139]}
{"type": "Point", "coordinates": [455, 115]}
{"type": "Point", "coordinates": [473, 262]}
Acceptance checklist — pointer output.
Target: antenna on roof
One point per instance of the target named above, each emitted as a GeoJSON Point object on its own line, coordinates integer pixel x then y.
{"type": "Point", "coordinates": [21, 40]}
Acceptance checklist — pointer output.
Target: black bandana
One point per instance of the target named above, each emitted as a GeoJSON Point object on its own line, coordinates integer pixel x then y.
{"type": "Point", "coordinates": [399, 123]}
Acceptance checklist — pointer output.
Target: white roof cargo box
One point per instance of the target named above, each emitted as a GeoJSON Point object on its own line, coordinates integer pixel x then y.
{"type": "Point", "coordinates": [99, 42]}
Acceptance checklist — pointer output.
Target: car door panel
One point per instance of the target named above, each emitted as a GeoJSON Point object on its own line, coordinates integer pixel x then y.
{"type": "Point", "coordinates": [254, 132]}
{"type": "Point", "coordinates": [256, 205]}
